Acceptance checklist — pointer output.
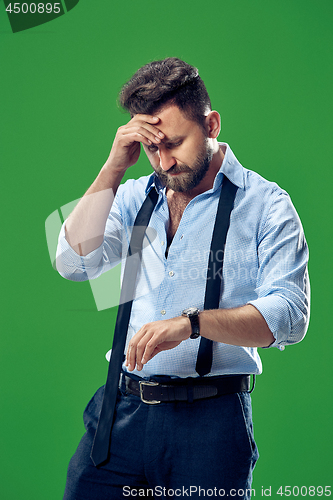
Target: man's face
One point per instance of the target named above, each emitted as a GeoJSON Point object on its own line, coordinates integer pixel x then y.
{"type": "Point", "coordinates": [182, 159]}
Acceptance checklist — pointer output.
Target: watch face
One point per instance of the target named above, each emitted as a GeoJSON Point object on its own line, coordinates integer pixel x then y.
{"type": "Point", "coordinates": [190, 311]}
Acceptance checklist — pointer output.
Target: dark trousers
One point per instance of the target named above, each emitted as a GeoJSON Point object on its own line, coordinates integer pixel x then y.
{"type": "Point", "coordinates": [168, 450]}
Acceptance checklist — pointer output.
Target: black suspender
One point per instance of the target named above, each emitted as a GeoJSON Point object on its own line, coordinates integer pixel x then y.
{"type": "Point", "coordinates": [100, 449]}
{"type": "Point", "coordinates": [214, 271]}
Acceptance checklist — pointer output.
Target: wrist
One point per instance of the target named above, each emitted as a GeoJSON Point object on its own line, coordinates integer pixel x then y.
{"type": "Point", "coordinates": [111, 175]}
{"type": "Point", "coordinates": [187, 325]}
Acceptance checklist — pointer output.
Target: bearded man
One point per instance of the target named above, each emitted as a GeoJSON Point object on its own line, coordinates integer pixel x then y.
{"type": "Point", "coordinates": [222, 270]}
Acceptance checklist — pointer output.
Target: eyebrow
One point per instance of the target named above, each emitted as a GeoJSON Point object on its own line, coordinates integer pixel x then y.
{"type": "Point", "coordinates": [171, 140]}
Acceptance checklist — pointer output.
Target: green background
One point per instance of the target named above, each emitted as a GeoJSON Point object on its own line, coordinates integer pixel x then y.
{"type": "Point", "coordinates": [268, 68]}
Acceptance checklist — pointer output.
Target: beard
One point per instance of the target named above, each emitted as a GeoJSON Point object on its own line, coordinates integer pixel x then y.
{"type": "Point", "coordinates": [190, 176]}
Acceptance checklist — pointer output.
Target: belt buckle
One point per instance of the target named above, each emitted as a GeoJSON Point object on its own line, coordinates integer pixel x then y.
{"type": "Point", "coordinates": [141, 384]}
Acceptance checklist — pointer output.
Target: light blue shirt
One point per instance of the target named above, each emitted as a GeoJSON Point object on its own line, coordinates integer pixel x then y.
{"type": "Point", "coordinates": [265, 265]}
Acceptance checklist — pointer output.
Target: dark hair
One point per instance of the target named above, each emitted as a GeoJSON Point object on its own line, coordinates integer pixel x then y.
{"type": "Point", "coordinates": [170, 81]}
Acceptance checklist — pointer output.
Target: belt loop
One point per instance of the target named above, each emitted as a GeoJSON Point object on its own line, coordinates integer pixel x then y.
{"type": "Point", "coordinates": [121, 381]}
{"type": "Point", "coordinates": [190, 396]}
{"type": "Point", "coordinates": [253, 384]}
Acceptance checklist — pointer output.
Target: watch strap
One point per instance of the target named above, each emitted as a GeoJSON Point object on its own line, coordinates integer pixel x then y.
{"type": "Point", "coordinates": [194, 318]}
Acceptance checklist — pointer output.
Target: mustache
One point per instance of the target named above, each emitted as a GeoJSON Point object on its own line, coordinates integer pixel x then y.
{"type": "Point", "coordinates": [177, 169]}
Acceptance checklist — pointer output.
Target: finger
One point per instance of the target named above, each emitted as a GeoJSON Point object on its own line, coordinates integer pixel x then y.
{"type": "Point", "coordinates": [131, 354]}
{"type": "Point", "coordinates": [130, 361]}
{"type": "Point", "coordinates": [138, 134]}
{"type": "Point", "coordinates": [144, 349]}
{"type": "Point", "coordinates": [140, 347]}
{"type": "Point", "coordinates": [153, 134]}
{"type": "Point", "coordinates": [145, 354]}
{"type": "Point", "coordinates": [146, 118]}
{"type": "Point", "coordinates": [148, 122]}
{"type": "Point", "coordinates": [153, 345]}
{"type": "Point", "coordinates": [163, 346]}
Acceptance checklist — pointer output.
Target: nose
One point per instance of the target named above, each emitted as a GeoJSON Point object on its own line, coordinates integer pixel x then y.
{"type": "Point", "coordinates": [166, 159]}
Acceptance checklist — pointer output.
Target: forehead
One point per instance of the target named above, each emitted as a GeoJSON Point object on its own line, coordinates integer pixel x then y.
{"type": "Point", "coordinates": [174, 123]}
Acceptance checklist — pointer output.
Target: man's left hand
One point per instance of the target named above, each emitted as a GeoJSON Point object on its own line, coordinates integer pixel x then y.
{"type": "Point", "coordinates": [155, 337]}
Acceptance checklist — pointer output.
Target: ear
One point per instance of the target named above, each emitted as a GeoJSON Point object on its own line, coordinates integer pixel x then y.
{"type": "Point", "coordinates": [213, 124]}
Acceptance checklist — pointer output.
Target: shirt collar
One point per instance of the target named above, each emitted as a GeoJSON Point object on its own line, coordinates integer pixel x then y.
{"type": "Point", "coordinates": [230, 167]}
{"type": "Point", "coordinates": [154, 181]}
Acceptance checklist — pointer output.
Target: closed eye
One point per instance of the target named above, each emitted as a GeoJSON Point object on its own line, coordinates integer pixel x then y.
{"type": "Point", "coordinates": [169, 145]}
{"type": "Point", "coordinates": [173, 145]}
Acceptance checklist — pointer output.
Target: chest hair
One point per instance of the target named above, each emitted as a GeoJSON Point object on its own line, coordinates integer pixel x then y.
{"type": "Point", "coordinates": [177, 204]}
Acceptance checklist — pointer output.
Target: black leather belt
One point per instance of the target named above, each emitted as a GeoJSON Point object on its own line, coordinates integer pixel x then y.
{"type": "Point", "coordinates": [188, 389]}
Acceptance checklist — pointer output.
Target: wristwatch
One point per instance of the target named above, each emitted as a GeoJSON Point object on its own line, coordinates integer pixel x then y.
{"type": "Point", "coordinates": [193, 314]}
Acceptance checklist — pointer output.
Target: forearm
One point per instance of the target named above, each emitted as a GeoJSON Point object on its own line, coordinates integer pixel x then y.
{"type": "Point", "coordinates": [243, 326]}
{"type": "Point", "coordinates": [86, 225]}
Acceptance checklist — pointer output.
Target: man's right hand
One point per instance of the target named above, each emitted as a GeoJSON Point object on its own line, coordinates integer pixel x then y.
{"type": "Point", "coordinates": [125, 150]}
{"type": "Point", "coordinates": [86, 225]}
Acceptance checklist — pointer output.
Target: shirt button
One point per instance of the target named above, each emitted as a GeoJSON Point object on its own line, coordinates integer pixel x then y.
{"type": "Point", "coordinates": [163, 312]}
{"type": "Point", "coordinates": [171, 273]}
{"type": "Point", "coordinates": [162, 243]}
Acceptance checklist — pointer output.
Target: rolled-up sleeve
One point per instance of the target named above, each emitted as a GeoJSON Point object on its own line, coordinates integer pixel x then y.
{"type": "Point", "coordinates": [75, 267]}
{"type": "Point", "coordinates": [283, 288]}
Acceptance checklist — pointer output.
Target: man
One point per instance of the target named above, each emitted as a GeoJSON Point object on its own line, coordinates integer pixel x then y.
{"type": "Point", "coordinates": [199, 439]}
